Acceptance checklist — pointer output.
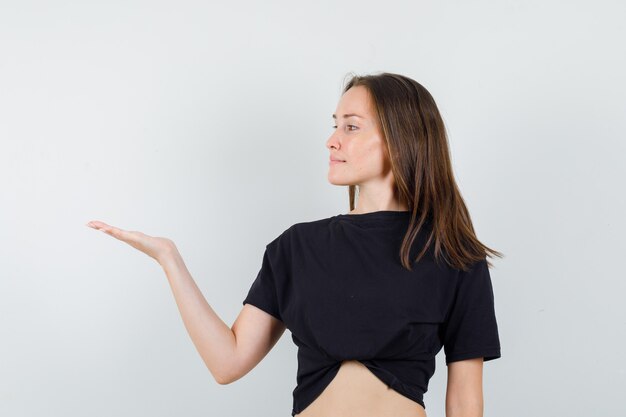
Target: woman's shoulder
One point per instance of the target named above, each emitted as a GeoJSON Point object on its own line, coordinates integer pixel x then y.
{"type": "Point", "coordinates": [313, 224]}
{"type": "Point", "coordinates": [303, 227]}
{"type": "Point", "coordinates": [303, 230]}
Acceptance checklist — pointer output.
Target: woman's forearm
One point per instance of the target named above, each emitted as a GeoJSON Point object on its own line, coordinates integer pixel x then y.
{"type": "Point", "coordinates": [214, 339]}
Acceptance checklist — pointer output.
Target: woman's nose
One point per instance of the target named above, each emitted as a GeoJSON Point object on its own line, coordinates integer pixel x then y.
{"type": "Point", "coordinates": [332, 141]}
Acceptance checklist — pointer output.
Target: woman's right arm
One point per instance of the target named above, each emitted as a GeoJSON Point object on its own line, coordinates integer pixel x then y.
{"type": "Point", "coordinates": [229, 353]}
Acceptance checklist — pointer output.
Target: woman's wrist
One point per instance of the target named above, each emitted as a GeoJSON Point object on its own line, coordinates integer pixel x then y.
{"type": "Point", "coordinates": [169, 256]}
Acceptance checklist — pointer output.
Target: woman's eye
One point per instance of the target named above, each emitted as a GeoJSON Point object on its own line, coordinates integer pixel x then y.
{"type": "Point", "coordinates": [335, 127]}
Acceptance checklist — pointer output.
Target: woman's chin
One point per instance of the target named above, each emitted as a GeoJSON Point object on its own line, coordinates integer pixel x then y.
{"type": "Point", "coordinates": [336, 181]}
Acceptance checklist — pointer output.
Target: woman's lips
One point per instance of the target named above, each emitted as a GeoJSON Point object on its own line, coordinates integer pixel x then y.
{"type": "Point", "coordinates": [334, 162]}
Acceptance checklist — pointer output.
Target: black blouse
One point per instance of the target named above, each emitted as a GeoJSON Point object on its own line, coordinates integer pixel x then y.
{"type": "Point", "coordinates": [339, 287]}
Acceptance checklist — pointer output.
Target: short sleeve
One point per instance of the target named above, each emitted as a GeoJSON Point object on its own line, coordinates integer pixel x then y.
{"type": "Point", "coordinates": [264, 292]}
{"type": "Point", "coordinates": [471, 329]}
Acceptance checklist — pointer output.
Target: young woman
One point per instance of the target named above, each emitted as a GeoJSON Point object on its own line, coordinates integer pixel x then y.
{"type": "Point", "coordinates": [370, 296]}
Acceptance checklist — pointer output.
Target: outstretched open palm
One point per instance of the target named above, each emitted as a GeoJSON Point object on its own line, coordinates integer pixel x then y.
{"type": "Point", "coordinates": [155, 247]}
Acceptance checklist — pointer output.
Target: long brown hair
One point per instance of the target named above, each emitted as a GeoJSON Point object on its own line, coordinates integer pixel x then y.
{"type": "Point", "coordinates": [417, 145]}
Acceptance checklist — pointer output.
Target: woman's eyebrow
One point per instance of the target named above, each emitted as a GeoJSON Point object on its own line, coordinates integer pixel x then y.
{"type": "Point", "coordinates": [349, 115]}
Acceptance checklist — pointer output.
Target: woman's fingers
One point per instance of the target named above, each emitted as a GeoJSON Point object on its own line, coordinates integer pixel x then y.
{"type": "Point", "coordinates": [155, 247]}
{"type": "Point", "coordinates": [111, 230]}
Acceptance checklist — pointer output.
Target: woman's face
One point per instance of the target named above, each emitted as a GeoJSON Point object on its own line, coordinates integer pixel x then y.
{"type": "Point", "coordinates": [358, 141]}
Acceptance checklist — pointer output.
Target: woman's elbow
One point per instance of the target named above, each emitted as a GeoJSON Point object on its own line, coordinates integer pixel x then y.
{"type": "Point", "coordinates": [464, 393]}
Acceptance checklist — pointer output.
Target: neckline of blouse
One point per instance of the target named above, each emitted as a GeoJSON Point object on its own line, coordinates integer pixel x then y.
{"type": "Point", "coordinates": [374, 215]}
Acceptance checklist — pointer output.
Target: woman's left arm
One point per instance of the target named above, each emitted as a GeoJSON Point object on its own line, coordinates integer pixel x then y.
{"type": "Point", "coordinates": [464, 393]}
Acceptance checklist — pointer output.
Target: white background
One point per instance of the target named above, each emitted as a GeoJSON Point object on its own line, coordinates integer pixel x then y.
{"type": "Point", "coordinates": [206, 122]}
